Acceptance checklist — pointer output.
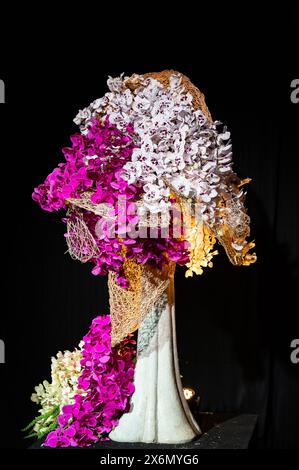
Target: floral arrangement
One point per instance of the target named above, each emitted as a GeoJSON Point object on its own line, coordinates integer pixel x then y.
{"type": "Point", "coordinates": [147, 183]}
{"type": "Point", "coordinates": [90, 389]}
{"type": "Point", "coordinates": [149, 146]}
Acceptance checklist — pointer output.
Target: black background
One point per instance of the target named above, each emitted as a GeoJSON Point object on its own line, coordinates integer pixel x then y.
{"type": "Point", "coordinates": [235, 325]}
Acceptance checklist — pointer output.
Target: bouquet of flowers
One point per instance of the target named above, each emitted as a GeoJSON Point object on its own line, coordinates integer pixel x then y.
{"type": "Point", "coordinates": [146, 183]}
{"type": "Point", "coordinates": [90, 390]}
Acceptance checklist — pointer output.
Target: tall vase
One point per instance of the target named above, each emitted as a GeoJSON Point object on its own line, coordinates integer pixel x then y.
{"type": "Point", "coordinates": [159, 412]}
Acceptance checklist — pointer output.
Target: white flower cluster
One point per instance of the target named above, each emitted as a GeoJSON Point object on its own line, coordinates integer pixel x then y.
{"type": "Point", "coordinates": [65, 370]}
{"type": "Point", "coordinates": [175, 143]}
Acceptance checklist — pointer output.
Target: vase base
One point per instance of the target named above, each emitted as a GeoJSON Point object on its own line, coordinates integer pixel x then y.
{"type": "Point", "coordinates": [159, 412]}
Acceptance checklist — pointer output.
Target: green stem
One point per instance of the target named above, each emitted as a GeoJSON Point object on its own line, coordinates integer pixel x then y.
{"type": "Point", "coordinates": [52, 412]}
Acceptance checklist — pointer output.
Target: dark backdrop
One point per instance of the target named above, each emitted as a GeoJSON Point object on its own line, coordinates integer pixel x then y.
{"type": "Point", "coordinates": [235, 325]}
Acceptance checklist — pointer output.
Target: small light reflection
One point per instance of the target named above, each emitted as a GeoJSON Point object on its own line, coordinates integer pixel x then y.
{"type": "Point", "coordinates": [188, 393]}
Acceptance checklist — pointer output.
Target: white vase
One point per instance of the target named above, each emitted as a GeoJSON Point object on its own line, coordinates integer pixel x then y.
{"type": "Point", "coordinates": [159, 412]}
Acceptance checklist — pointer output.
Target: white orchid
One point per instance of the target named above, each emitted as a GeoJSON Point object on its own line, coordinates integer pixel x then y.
{"type": "Point", "coordinates": [173, 141]}
{"type": "Point", "coordinates": [65, 370]}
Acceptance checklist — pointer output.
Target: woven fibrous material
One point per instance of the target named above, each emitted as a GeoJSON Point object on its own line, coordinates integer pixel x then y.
{"type": "Point", "coordinates": [105, 210]}
{"type": "Point", "coordinates": [129, 307]}
{"type": "Point", "coordinates": [81, 244]}
{"type": "Point", "coordinates": [84, 202]}
{"type": "Point", "coordinates": [233, 230]}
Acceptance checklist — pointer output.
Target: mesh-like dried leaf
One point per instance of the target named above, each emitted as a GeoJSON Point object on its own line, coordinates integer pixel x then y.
{"type": "Point", "coordinates": [80, 242]}
{"type": "Point", "coordinates": [128, 307]}
{"type": "Point", "coordinates": [84, 202]}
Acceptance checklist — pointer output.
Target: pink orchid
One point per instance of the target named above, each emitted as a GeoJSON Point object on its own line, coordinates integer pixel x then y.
{"type": "Point", "coordinates": [107, 382]}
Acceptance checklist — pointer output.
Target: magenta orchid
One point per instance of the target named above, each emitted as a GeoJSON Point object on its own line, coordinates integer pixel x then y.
{"type": "Point", "coordinates": [105, 384]}
{"type": "Point", "coordinates": [94, 163]}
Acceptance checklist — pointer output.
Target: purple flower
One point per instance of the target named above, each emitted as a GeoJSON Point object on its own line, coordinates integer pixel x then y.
{"type": "Point", "coordinates": [107, 386]}
{"type": "Point", "coordinates": [95, 163]}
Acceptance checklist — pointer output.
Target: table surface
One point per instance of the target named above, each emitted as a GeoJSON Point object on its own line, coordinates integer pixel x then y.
{"type": "Point", "coordinates": [220, 431]}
